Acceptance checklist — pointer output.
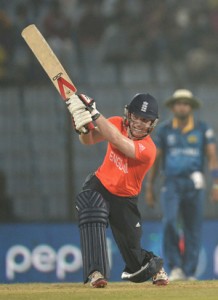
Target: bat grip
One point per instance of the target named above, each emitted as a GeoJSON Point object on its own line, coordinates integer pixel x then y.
{"type": "Point", "coordinates": [90, 126]}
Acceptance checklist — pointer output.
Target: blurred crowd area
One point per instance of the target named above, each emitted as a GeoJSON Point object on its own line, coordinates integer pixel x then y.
{"type": "Point", "coordinates": [112, 49]}
{"type": "Point", "coordinates": [180, 35]}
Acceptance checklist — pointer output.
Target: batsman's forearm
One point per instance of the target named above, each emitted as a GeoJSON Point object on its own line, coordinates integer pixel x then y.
{"type": "Point", "coordinates": [111, 134]}
{"type": "Point", "coordinates": [92, 137]}
{"type": "Point", "coordinates": [86, 139]}
{"type": "Point", "coordinates": [108, 130]}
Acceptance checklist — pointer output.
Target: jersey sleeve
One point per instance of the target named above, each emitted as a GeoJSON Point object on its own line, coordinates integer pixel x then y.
{"type": "Point", "coordinates": [145, 150]}
{"type": "Point", "coordinates": [116, 120]}
{"type": "Point", "coordinates": [209, 135]}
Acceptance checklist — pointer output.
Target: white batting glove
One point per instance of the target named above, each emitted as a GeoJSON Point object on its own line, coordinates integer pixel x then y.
{"type": "Point", "coordinates": [81, 118]}
{"type": "Point", "coordinates": [75, 104]}
{"type": "Point", "coordinates": [94, 112]}
{"type": "Point", "coordinates": [90, 105]}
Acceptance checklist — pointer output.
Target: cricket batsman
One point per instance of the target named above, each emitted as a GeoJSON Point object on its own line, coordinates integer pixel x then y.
{"type": "Point", "coordinates": [109, 196]}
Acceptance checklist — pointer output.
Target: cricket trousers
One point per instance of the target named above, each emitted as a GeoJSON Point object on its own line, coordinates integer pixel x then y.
{"type": "Point", "coordinates": [182, 207]}
{"type": "Point", "coordinates": [125, 222]}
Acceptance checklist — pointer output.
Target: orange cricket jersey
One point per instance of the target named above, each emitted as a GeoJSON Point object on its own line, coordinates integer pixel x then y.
{"type": "Point", "coordinates": [122, 175]}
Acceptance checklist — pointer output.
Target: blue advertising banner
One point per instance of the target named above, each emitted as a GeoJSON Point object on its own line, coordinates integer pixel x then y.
{"type": "Point", "coordinates": [51, 252]}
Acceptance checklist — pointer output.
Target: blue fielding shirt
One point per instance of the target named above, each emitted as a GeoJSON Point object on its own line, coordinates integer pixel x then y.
{"type": "Point", "coordinates": [183, 152]}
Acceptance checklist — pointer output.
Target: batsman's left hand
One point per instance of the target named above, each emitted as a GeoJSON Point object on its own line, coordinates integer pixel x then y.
{"type": "Point", "coordinates": [75, 104]}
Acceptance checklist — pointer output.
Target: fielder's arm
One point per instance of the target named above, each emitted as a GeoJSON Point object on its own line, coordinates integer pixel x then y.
{"type": "Point", "coordinates": [150, 180]}
{"type": "Point", "coordinates": [211, 152]}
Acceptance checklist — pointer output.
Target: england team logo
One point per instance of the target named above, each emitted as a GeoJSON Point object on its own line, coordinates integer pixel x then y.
{"type": "Point", "coordinates": [144, 106]}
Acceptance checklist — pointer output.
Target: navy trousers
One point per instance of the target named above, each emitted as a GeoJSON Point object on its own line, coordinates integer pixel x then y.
{"type": "Point", "coordinates": [182, 206]}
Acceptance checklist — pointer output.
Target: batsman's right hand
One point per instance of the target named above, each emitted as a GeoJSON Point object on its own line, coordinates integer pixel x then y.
{"type": "Point", "coordinates": [81, 118]}
{"type": "Point", "coordinates": [90, 105]}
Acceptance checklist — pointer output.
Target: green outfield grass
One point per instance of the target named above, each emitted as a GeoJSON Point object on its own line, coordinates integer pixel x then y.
{"type": "Point", "coordinates": [198, 290]}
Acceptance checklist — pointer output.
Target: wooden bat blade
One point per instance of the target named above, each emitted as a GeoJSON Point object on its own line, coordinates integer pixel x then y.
{"type": "Point", "coordinates": [48, 61]}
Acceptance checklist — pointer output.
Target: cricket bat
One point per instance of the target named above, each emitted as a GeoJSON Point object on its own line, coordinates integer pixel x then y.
{"type": "Point", "coordinates": [50, 63]}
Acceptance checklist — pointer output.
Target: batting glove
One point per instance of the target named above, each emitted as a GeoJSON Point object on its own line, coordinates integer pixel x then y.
{"type": "Point", "coordinates": [77, 107]}
{"type": "Point", "coordinates": [90, 105]}
{"type": "Point", "coordinates": [81, 118]}
{"type": "Point", "coordinates": [84, 129]}
{"type": "Point", "coordinates": [75, 104]}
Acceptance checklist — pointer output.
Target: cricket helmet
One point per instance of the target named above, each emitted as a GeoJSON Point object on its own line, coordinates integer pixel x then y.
{"type": "Point", "coordinates": [144, 106]}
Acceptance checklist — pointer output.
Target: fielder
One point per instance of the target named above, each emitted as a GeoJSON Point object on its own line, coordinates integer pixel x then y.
{"type": "Point", "coordinates": [183, 144]}
{"type": "Point", "coordinates": [110, 195]}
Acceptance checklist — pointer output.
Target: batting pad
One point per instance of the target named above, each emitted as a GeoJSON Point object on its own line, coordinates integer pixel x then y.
{"type": "Point", "coordinates": [93, 218]}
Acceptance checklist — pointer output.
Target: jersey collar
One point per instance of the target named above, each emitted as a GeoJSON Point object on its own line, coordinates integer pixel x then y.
{"type": "Point", "coordinates": [188, 127]}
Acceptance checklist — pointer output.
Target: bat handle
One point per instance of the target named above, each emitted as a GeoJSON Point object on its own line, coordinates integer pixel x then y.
{"type": "Point", "coordinates": [91, 126]}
